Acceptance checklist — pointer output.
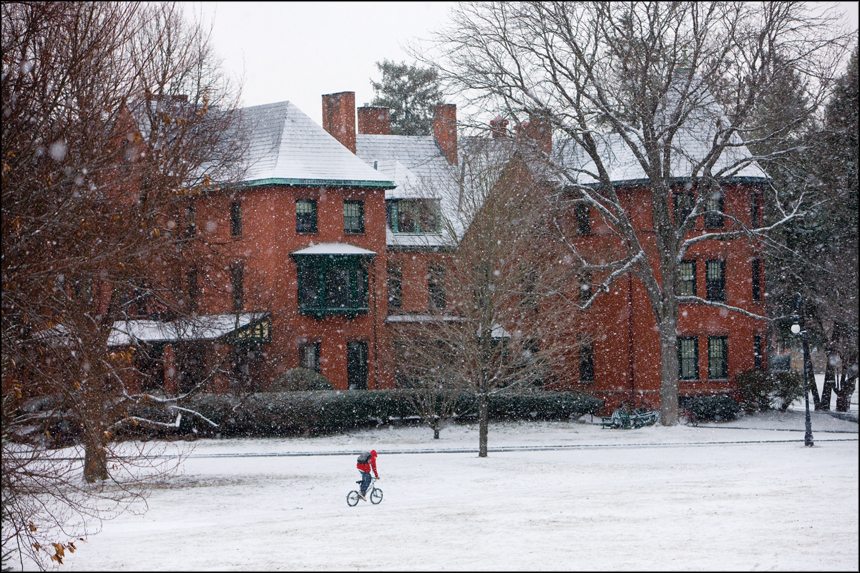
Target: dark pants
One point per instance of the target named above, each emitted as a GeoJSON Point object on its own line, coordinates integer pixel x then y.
{"type": "Point", "coordinates": [365, 481]}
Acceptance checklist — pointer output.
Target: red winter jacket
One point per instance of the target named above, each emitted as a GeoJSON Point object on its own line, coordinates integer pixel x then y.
{"type": "Point", "coordinates": [367, 467]}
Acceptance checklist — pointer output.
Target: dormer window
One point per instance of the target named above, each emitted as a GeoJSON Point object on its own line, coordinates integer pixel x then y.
{"type": "Point", "coordinates": [414, 215]}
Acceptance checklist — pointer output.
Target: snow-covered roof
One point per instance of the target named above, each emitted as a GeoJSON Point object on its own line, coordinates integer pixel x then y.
{"type": "Point", "coordinates": [624, 169]}
{"type": "Point", "coordinates": [416, 164]}
{"type": "Point", "coordinates": [704, 120]}
{"type": "Point", "coordinates": [333, 249]}
{"type": "Point", "coordinates": [410, 318]}
{"type": "Point", "coordinates": [286, 147]}
{"type": "Point", "coordinates": [207, 327]}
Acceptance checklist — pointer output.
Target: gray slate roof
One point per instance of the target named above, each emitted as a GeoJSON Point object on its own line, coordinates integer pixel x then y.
{"type": "Point", "coordinates": [703, 120]}
{"type": "Point", "coordinates": [287, 147]}
{"type": "Point", "coordinates": [419, 169]}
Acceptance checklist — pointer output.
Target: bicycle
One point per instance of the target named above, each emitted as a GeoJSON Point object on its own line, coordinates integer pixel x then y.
{"type": "Point", "coordinates": [373, 493]}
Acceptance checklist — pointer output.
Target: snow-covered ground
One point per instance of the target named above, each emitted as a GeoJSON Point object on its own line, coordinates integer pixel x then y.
{"type": "Point", "coordinates": [745, 495]}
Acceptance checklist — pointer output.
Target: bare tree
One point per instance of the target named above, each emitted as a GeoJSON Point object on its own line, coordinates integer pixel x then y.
{"type": "Point", "coordinates": [113, 113]}
{"type": "Point", "coordinates": [502, 323]}
{"type": "Point", "coordinates": [670, 85]}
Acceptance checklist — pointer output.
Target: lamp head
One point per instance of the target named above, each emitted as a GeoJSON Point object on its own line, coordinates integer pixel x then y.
{"type": "Point", "coordinates": [795, 328]}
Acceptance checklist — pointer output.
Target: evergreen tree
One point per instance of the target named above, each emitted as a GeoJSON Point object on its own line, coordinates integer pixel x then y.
{"type": "Point", "coordinates": [816, 255]}
{"type": "Point", "coordinates": [410, 92]}
{"type": "Point", "coordinates": [836, 167]}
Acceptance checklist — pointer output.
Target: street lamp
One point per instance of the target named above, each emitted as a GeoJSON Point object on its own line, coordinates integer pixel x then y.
{"type": "Point", "coordinates": [798, 328]}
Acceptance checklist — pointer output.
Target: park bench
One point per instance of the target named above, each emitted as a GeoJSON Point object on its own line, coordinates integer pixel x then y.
{"type": "Point", "coordinates": [625, 420]}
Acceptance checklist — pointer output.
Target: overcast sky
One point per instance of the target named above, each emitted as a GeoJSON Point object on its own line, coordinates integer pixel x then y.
{"type": "Point", "coordinates": [298, 51]}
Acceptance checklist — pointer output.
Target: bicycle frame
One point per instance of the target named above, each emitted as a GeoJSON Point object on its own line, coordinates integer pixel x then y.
{"type": "Point", "coordinates": [374, 494]}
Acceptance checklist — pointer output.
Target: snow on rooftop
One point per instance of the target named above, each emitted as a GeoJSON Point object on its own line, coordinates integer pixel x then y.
{"type": "Point", "coordinates": [207, 327]}
{"type": "Point", "coordinates": [287, 147]}
{"type": "Point", "coordinates": [333, 249]}
{"type": "Point", "coordinates": [422, 318]}
{"type": "Point", "coordinates": [704, 122]}
{"type": "Point", "coordinates": [416, 164]}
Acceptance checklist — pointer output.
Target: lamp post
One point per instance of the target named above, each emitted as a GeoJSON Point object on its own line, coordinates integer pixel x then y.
{"type": "Point", "coordinates": [798, 328]}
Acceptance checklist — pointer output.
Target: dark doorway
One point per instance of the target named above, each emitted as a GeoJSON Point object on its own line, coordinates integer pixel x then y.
{"type": "Point", "coordinates": [356, 365]}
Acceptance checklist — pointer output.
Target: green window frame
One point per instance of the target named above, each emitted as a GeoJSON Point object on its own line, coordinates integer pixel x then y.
{"type": "Point", "coordinates": [682, 204]}
{"type": "Point", "coordinates": [755, 208]}
{"type": "Point", "coordinates": [714, 210]}
{"type": "Point", "coordinates": [585, 288]}
{"type": "Point", "coordinates": [190, 220]}
{"type": "Point", "coordinates": [718, 357]}
{"type": "Point", "coordinates": [395, 285]}
{"type": "Point", "coordinates": [688, 358]}
{"type": "Point", "coordinates": [586, 361]}
{"type": "Point", "coordinates": [309, 355]}
{"type": "Point", "coordinates": [193, 285]}
{"type": "Point", "coordinates": [413, 215]}
{"type": "Point", "coordinates": [254, 334]}
{"type": "Point", "coordinates": [758, 352]}
{"type": "Point", "coordinates": [353, 217]}
{"type": "Point", "coordinates": [715, 271]}
{"type": "Point", "coordinates": [236, 218]}
{"type": "Point", "coordinates": [237, 281]}
{"type": "Point", "coordinates": [756, 279]}
{"type": "Point", "coordinates": [583, 219]}
{"type": "Point", "coordinates": [332, 285]}
{"type": "Point", "coordinates": [306, 216]}
{"type": "Point", "coordinates": [687, 278]}
{"type": "Point", "coordinates": [436, 287]}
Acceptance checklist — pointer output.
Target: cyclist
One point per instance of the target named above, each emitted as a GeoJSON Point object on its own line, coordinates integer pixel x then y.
{"type": "Point", "coordinates": [366, 462]}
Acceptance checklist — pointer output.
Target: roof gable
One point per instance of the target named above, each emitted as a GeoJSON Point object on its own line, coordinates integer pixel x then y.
{"type": "Point", "coordinates": [286, 147]}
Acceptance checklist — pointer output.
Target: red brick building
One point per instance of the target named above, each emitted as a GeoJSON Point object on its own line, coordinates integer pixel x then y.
{"type": "Point", "coordinates": [338, 234]}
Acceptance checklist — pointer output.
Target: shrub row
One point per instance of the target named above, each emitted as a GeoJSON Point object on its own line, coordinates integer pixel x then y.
{"type": "Point", "coordinates": [762, 390]}
{"type": "Point", "coordinates": [305, 413]}
{"type": "Point", "coordinates": [715, 408]}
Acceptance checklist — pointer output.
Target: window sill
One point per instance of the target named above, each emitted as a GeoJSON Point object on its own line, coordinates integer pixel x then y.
{"type": "Point", "coordinates": [416, 233]}
{"type": "Point", "coordinates": [337, 311]}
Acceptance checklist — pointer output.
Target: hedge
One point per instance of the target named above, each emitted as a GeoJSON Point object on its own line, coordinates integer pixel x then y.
{"type": "Point", "coordinates": [307, 413]}
{"type": "Point", "coordinates": [714, 408]}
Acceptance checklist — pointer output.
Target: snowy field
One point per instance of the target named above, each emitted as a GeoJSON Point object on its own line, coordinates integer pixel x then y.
{"type": "Point", "coordinates": [745, 495]}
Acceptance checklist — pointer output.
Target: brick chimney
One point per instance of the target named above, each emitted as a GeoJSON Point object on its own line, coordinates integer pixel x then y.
{"type": "Point", "coordinates": [445, 130]}
{"type": "Point", "coordinates": [374, 120]}
{"type": "Point", "coordinates": [499, 127]}
{"type": "Point", "coordinates": [539, 131]}
{"type": "Point", "coordinates": [338, 116]}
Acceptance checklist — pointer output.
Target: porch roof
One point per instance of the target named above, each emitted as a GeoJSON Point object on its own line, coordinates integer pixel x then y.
{"type": "Point", "coordinates": [206, 327]}
{"type": "Point", "coordinates": [333, 249]}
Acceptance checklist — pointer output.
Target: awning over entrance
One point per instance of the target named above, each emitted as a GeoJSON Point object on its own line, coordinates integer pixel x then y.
{"type": "Point", "coordinates": [207, 327]}
{"type": "Point", "coordinates": [333, 249]}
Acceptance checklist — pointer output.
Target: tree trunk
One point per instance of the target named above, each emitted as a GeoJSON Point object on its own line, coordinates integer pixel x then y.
{"type": "Point", "coordinates": [810, 375]}
{"type": "Point", "coordinates": [668, 371]}
{"type": "Point", "coordinates": [95, 457]}
{"type": "Point", "coordinates": [845, 390]}
{"type": "Point", "coordinates": [829, 381]}
{"type": "Point", "coordinates": [483, 423]}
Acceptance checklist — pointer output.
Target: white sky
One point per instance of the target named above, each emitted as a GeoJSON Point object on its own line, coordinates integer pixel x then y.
{"type": "Point", "coordinates": [298, 51]}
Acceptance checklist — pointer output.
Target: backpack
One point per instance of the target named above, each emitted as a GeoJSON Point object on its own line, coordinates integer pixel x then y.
{"type": "Point", "coordinates": [364, 458]}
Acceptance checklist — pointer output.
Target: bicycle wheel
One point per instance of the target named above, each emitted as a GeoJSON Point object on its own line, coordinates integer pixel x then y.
{"type": "Point", "coordinates": [352, 498]}
{"type": "Point", "coordinates": [375, 495]}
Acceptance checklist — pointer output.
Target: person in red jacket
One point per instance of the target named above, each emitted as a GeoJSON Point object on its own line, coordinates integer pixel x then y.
{"type": "Point", "coordinates": [366, 462]}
